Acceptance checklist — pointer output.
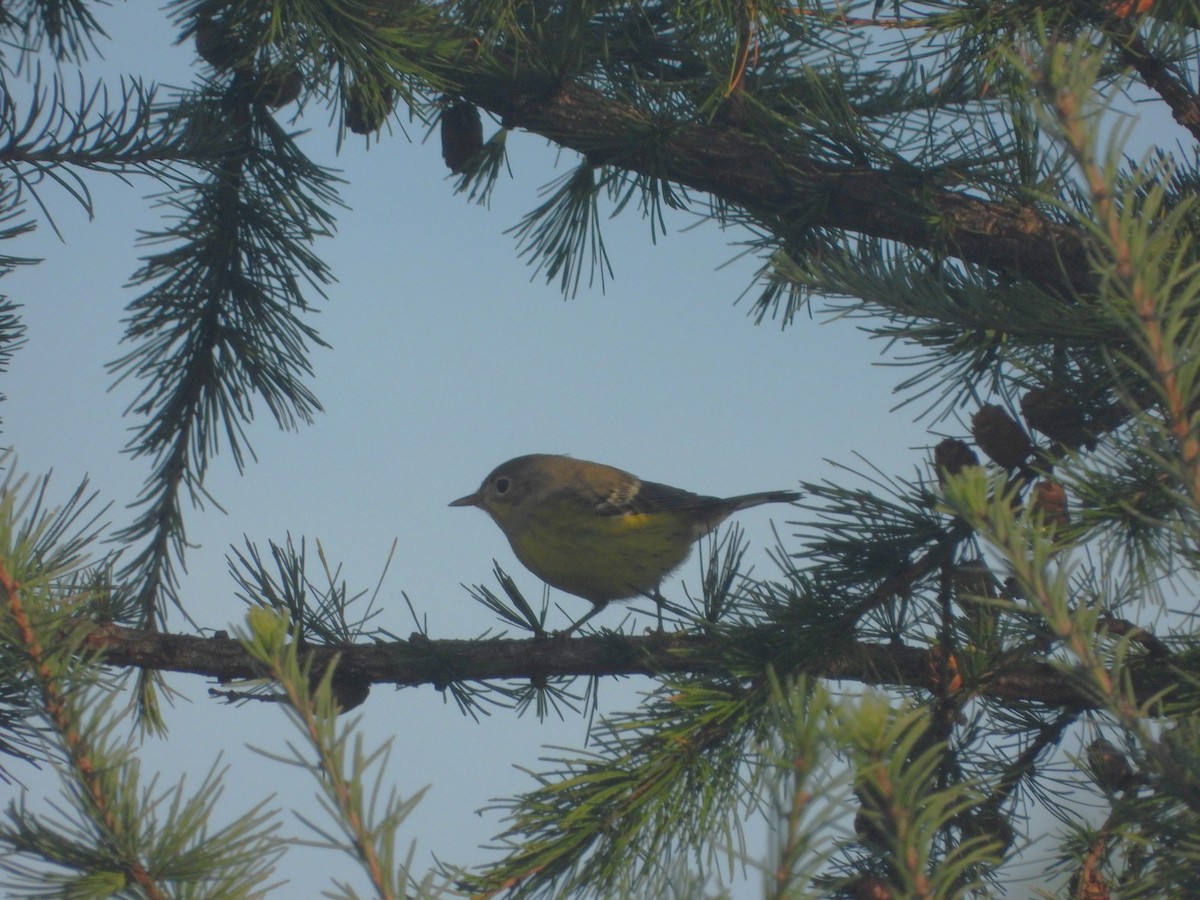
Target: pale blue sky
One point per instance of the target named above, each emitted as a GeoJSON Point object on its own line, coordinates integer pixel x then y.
{"type": "Point", "coordinates": [447, 359]}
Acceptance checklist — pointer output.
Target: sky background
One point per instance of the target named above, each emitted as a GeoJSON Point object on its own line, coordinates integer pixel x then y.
{"type": "Point", "coordinates": [449, 355]}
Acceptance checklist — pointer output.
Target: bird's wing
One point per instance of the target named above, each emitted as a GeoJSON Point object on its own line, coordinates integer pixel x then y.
{"type": "Point", "coordinates": [641, 497]}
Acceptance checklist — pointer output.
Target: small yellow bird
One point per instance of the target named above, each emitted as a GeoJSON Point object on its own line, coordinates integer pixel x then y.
{"type": "Point", "coordinates": [596, 531]}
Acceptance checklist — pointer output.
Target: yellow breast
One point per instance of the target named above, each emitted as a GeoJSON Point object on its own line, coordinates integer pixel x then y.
{"type": "Point", "coordinates": [602, 557]}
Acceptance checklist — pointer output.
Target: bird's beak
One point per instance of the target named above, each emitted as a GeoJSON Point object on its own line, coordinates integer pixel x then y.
{"type": "Point", "coordinates": [469, 500]}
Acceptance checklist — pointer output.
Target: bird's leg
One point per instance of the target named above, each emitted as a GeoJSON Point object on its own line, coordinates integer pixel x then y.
{"type": "Point", "coordinates": [659, 602]}
{"type": "Point", "coordinates": [596, 607]}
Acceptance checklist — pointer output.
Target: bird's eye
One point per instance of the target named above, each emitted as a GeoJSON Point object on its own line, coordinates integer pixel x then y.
{"type": "Point", "coordinates": [502, 485]}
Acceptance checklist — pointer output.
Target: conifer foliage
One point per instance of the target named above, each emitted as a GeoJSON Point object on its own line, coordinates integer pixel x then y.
{"type": "Point", "coordinates": [1019, 620]}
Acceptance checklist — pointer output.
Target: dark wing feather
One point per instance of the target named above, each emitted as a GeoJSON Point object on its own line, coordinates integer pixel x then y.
{"type": "Point", "coordinates": [642, 497]}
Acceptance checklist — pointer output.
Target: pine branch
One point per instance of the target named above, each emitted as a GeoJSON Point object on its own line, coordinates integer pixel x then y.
{"type": "Point", "coordinates": [350, 777]}
{"type": "Point", "coordinates": [111, 833]}
{"type": "Point", "coordinates": [778, 182]}
{"type": "Point", "coordinates": [771, 180]}
{"type": "Point", "coordinates": [1181, 99]}
{"type": "Point", "coordinates": [77, 745]}
{"type": "Point", "coordinates": [67, 28]}
{"type": "Point", "coordinates": [54, 138]}
{"type": "Point", "coordinates": [221, 323]}
{"type": "Point", "coordinates": [421, 661]}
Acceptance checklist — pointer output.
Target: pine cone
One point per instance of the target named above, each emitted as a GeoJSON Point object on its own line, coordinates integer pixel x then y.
{"type": "Point", "coordinates": [1050, 499]}
{"type": "Point", "coordinates": [279, 87]}
{"type": "Point", "coordinates": [1109, 767]}
{"type": "Point", "coordinates": [462, 135]}
{"type": "Point", "coordinates": [219, 45]}
{"type": "Point", "coordinates": [1000, 437]}
{"type": "Point", "coordinates": [366, 111]}
{"type": "Point", "coordinates": [951, 456]}
{"type": "Point", "coordinates": [1055, 413]}
{"type": "Point", "coordinates": [972, 578]}
{"type": "Point", "coordinates": [973, 584]}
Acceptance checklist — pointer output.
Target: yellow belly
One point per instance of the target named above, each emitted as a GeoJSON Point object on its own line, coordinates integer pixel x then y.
{"type": "Point", "coordinates": [602, 558]}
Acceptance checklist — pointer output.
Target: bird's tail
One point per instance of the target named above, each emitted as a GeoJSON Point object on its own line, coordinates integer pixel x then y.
{"type": "Point", "coordinates": [745, 501]}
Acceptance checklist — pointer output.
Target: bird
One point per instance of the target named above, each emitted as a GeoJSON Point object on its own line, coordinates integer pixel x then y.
{"type": "Point", "coordinates": [597, 531]}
